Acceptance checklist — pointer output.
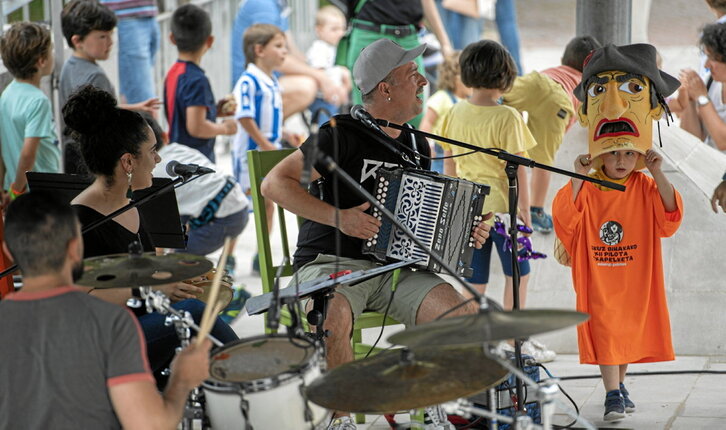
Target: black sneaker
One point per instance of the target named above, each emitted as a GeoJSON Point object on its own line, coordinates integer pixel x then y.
{"type": "Point", "coordinates": [614, 406]}
{"type": "Point", "coordinates": [629, 405]}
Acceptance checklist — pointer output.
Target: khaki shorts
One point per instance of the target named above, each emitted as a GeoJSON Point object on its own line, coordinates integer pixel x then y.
{"type": "Point", "coordinates": [374, 294]}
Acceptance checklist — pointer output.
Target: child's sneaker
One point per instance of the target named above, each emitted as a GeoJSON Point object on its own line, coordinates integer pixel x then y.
{"type": "Point", "coordinates": [541, 221]}
{"type": "Point", "coordinates": [342, 423]}
{"type": "Point", "coordinates": [629, 405]}
{"type": "Point", "coordinates": [233, 310]}
{"type": "Point", "coordinates": [614, 406]}
{"type": "Point", "coordinates": [230, 265]}
{"type": "Point", "coordinates": [538, 351]}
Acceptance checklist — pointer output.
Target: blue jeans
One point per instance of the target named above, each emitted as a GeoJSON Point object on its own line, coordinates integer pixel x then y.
{"type": "Point", "coordinates": [161, 340]}
{"type": "Point", "coordinates": [482, 257]}
{"type": "Point", "coordinates": [463, 30]}
{"type": "Point", "coordinates": [323, 116]}
{"type": "Point", "coordinates": [210, 237]}
{"type": "Point", "coordinates": [138, 42]}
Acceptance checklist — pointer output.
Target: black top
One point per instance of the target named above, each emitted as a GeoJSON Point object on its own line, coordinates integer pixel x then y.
{"type": "Point", "coordinates": [110, 237]}
{"type": "Point", "coordinates": [360, 155]}
{"type": "Point", "coordinates": [391, 12]}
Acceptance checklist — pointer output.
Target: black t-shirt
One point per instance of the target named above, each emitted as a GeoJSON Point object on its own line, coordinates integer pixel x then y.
{"type": "Point", "coordinates": [360, 154]}
{"type": "Point", "coordinates": [110, 237]}
{"type": "Point", "coordinates": [390, 12]}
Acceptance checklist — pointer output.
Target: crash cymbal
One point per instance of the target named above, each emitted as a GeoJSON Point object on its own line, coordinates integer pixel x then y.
{"type": "Point", "coordinates": [402, 379]}
{"type": "Point", "coordinates": [125, 270]}
{"type": "Point", "coordinates": [487, 326]}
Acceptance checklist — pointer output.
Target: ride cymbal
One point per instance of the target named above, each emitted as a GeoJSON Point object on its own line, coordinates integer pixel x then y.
{"type": "Point", "coordinates": [406, 379]}
{"type": "Point", "coordinates": [487, 326]}
{"type": "Point", "coordinates": [147, 269]}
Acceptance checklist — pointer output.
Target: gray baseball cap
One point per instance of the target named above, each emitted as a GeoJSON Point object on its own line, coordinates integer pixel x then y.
{"type": "Point", "coordinates": [377, 60]}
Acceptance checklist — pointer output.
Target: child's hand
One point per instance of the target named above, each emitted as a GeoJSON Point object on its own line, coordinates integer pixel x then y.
{"type": "Point", "coordinates": [653, 161]}
{"type": "Point", "coordinates": [230, 126]}
{"type": "Point", "coordinates": [150, 106]}
{"type": "Point", "coordinates": [719, 197]}
{"type": "Point", "coordinates": [583, 164]}
{"type": "Point", "coordinates": [226, 106]}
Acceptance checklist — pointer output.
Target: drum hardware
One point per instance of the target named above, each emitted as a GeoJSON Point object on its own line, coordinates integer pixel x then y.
{"type": "Point", "coordinates": [546, 393]}
{"type": "Point", "coordinates": [487, 326]}
{"type": "Point", "coordinates": [250, 379]}
{"type": "Point", "coordinates": [406, 379]}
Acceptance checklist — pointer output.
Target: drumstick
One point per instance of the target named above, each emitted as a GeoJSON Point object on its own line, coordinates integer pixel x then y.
{"type": "Point", "coordinates": [210, 312]}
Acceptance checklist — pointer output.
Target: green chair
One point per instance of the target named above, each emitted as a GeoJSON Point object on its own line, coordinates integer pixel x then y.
{"type": "Point", "coordinates": [260, 163]}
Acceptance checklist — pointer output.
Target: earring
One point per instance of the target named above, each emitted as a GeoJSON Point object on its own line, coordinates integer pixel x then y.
{"type": "Point", "coordinates": [389, 99]}
{"type": "Point", "coordinates": [129, 175]}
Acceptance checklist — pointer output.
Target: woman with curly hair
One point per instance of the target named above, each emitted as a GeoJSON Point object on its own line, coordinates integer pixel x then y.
{"type": "Point", "coordinates": [704, 106]}
{"type": "Point", "coordinates": [119, 149]}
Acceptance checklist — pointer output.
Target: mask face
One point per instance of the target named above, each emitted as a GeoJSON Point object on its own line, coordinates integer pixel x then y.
{"type": "Point", "coordinates": [619, 115]}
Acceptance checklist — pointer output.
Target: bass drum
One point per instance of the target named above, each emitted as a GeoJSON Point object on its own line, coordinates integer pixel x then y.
{"type": "Point", "coordinates": [259, 383]}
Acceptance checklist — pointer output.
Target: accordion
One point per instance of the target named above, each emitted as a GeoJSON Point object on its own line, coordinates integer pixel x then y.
{"type": "Point", "coordinates": [439, 210]}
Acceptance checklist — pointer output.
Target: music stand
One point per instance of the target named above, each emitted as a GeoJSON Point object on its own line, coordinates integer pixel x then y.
{"type": "Point", "coordinates": [155, 214]}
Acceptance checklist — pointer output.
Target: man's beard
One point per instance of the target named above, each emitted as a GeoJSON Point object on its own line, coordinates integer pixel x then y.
{"type": "Point", "coordinates": [77, 271]}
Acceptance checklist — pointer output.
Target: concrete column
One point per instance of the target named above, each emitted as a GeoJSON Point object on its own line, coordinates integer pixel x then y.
{"type": "Point", "coordinates": [606, 20]}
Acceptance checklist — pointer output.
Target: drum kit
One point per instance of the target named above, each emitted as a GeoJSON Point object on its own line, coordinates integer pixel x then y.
{"type": "Point", "coordinates": [280, 381]}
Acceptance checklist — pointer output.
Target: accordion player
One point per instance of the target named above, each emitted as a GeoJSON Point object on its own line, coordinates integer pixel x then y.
{"type": "Point", "coordinates": [439, 210]}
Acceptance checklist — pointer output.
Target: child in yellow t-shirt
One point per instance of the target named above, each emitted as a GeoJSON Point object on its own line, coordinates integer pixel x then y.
{"type": "Point", "coordinates": [489, 70]}
{"type": "Point", "coordinates": [450, 91]}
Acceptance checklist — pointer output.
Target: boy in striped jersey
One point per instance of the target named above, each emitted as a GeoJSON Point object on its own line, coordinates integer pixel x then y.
{"type": "Point", "coordinates": [259, 103]}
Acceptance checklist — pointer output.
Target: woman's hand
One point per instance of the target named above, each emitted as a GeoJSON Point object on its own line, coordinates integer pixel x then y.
{"type": "Point", "coordinates": [178, 291]}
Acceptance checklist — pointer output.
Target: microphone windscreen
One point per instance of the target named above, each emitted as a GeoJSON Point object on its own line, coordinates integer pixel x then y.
{"type": "Point", "coordinates": [355, 111]}
{"type": "Point", "coordinates": [170, 166]}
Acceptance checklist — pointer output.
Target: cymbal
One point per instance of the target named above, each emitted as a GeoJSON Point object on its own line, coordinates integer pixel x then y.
{"type": "Point", "coordinates": [147, 269]}
{"type": "Point", "coordinates": [487, 326]}
{"type": "Point", "coordinates": [402, 379]}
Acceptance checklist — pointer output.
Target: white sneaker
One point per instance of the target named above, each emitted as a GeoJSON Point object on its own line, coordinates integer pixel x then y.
{"type": "Point", "coordinates": [342, 423]}
{"type": "Point", "coordinates": [538, 351]}
{"type": "Point", "coordinates": [435, 418]}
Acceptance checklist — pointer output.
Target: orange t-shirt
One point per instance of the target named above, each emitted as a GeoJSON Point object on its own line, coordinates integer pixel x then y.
{"type": "Point", "coordinates": [614, 240]}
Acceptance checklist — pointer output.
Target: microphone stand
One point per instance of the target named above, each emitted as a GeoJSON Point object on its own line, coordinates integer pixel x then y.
{"type": "Point", "coordinates": [114, 214]}
{"type": "Point", "coordinates": [512, 165]}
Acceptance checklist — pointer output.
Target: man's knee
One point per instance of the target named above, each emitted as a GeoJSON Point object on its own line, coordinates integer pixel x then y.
{"type": "Point", "coordinates": [441, 299]}
{"type": "Point", "coordinates": [339, 317]}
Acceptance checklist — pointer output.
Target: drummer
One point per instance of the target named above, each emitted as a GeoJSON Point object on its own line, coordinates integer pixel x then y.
{"type": "Point", "coordinates": [392, 89]}
{"type": "Point", "coordinates": [119, 148]}
{"type": "Point", "coordinates": [71, 360]}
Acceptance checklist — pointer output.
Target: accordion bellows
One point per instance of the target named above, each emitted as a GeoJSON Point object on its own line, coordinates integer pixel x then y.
{"type": "Point", "coordinates": [440, 211]}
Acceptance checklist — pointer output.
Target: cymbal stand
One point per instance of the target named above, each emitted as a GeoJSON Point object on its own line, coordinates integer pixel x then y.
{"type": "Point", "coordinates": [546, 393]}
{"type": "Point", "coordinates": [182, 321]}
{"type": "Point", "coordinates": [159, 302]}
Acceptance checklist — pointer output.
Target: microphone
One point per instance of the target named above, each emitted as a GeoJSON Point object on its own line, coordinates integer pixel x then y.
{"type": "Point", "coordinates": [359, 113]}
{"type": "Point", "coordinates": [175, 168]}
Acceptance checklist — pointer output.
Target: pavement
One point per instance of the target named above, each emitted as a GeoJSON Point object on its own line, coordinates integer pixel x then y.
{"type": "Point", "coordinates": [682, 401]}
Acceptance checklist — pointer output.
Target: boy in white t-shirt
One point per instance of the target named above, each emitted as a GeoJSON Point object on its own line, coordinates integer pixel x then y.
{"type": "Point", "coordinates": [329, 28]}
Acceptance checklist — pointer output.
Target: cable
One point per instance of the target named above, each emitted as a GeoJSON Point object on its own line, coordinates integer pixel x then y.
{"type": "Point", "coordinates": [660, 373]}
{"type": "Point", "coordinates": [455, 308]}
{"type": "Point", "coordinates": [394, 282]}
{"type": "Point", "coordinates": [574, 404]}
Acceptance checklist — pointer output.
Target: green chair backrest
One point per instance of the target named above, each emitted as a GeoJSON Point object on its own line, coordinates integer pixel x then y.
{"type": "Point", "coordinates": [260, 163]}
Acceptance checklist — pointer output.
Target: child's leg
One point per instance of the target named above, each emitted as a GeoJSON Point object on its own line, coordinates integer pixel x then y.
{"type": "Point", "coordinates": [611, 376]}
{"type": "Point", "coordinates": [505, 257]}
{"type": "Point", "coordinates": [270, 212]}
{"type": "Point", "coordinates": [623, 368]}
{"type": "Point", "coordinates": [509, 290]}
{"type": "Point", "coordinates": [480, 264]}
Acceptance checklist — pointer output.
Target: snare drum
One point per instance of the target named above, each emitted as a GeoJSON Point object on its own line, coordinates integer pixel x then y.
{"type": "Point", "coordinates": [260, 382]}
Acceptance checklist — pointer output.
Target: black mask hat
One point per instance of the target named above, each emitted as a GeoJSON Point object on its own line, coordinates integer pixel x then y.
{"type": "Point", "coordinates": [639, 58]}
